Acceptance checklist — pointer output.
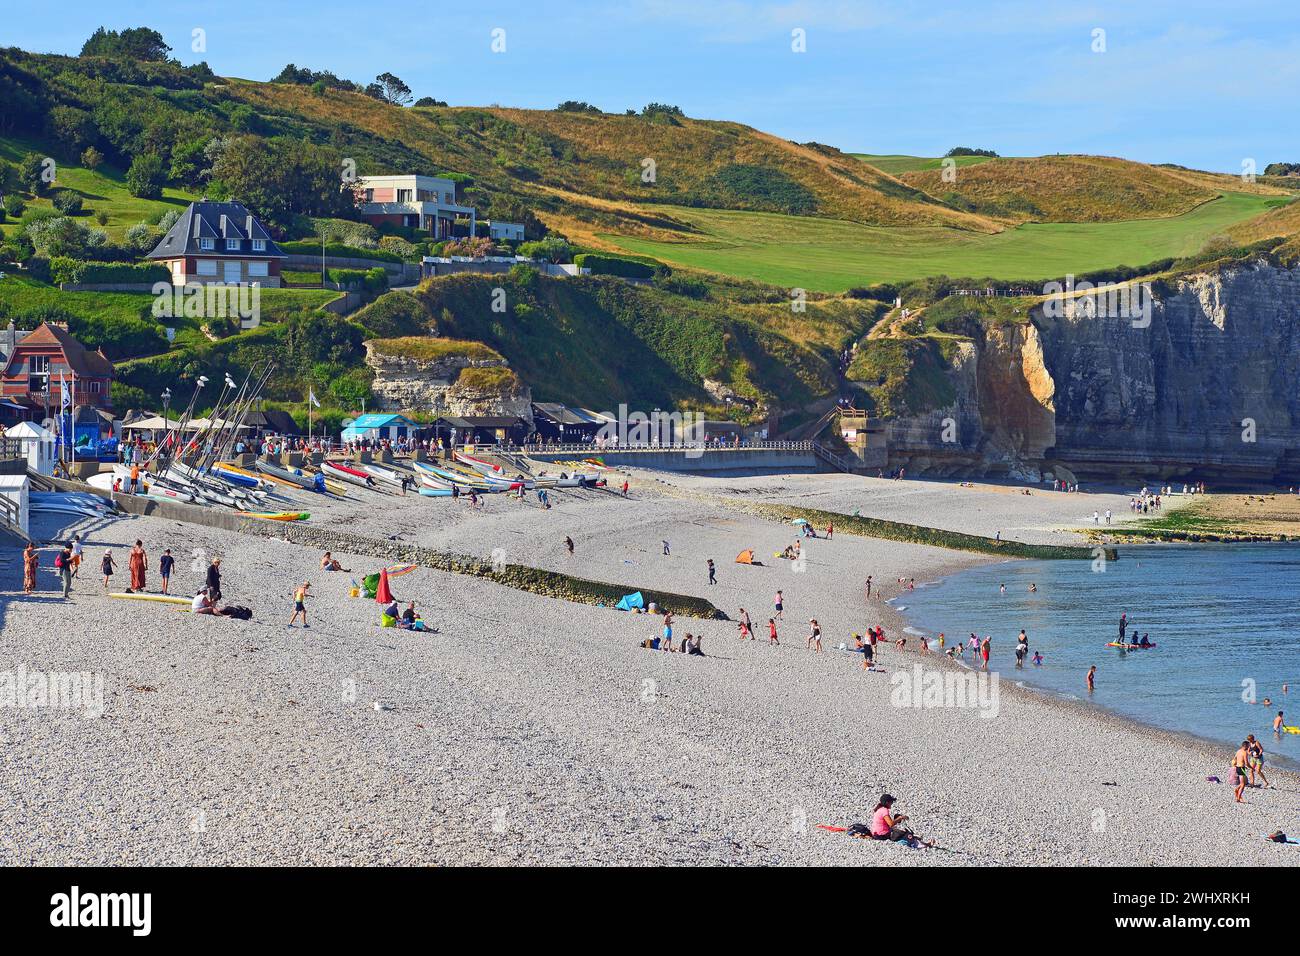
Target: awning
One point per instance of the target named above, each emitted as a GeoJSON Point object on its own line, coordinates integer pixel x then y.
{"type": "Point", "coordinates": [154, 423]}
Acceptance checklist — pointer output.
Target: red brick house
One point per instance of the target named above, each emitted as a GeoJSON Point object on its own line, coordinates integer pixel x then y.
{"type": "Point", "coordinates": [219, 242]}
{"type": "Point", "coordinates": [31, 373]}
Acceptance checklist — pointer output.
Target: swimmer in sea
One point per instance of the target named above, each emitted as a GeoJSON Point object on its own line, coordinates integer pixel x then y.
{"type": "Point", "coordinates": [1092, 678]}
{"type": "Point", "coordinates": [1038, 659]}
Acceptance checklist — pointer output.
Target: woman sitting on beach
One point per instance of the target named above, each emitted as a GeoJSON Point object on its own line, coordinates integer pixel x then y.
{"type": "Point", "coordinates": [885, 825]}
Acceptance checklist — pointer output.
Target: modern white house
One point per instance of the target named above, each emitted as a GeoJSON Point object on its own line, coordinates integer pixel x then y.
{"type": "Point", "coordinates": [427, 203]}
{"type": "Point", "coordinates": [509, 231]}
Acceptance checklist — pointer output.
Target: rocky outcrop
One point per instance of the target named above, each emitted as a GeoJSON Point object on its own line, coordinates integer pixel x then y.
{"type": "Point", "coordinates": [1205, 390]}
{"type": "Point", "coordinates": [472, 382]}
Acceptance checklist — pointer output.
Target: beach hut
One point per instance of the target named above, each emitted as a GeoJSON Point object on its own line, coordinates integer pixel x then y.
{"type": "Point", "coordinates": [377, 426]}
{"type": "Point", "coordinates": [39, 446]}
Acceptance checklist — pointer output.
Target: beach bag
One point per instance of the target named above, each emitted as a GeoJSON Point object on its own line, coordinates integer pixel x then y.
{"type": "Point", "coordinates": [386, 621]}
{"type": "Point", "coordinates": [58, 561]}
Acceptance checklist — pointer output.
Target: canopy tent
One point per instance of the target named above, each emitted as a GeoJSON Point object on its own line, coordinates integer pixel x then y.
{"type": "Point", "coordinates": [152, 424]}
{"type": "Point", "coordinates": [631, 601]}
{"type": "Point", "coordinates": [200, 424]}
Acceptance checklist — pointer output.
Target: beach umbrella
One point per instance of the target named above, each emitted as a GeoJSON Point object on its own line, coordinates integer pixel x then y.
{"type": "Point", "coordinates": [382, 594]}
{"type": "Point", "coordinates": [798, 520]}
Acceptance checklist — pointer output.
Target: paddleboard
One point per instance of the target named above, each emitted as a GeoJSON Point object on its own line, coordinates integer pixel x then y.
{"type": "Point", "coordinates": [1130, 647]}
{"type": "Point", "coordinates": [160, 598]}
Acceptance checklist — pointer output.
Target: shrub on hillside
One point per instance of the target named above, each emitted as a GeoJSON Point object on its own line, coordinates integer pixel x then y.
{"type": "Point", "coordinates": [67, 202]}
{"type": "Point", "coordinates": [14, 205]}
{"type": "Point", "coordinates": [79, 271]}
{"type": "Point", "coordinates": [348, 279]}
{"type": "Point", "coordinates": [146, 176]}
{"type": "Point", "coordinates": [62, 236]}
{"type": "Point", "coordinates": [613, 266]}
{"type": "Point", "coordinates": [142, 237]}
{"type": "Point", "coordinates": [393, 315]}
{"type": "Point", "coordinates": [376, 279]}
{"type": "Point", "coordinates": [306, 247]}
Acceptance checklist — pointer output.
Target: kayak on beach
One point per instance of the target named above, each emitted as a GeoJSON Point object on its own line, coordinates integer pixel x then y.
{"type": "Point", "coordinates": [276, 515]}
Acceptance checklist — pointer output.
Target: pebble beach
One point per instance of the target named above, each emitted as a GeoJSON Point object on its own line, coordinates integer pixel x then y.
{"type": "Point", "coordinates": [532, 730]}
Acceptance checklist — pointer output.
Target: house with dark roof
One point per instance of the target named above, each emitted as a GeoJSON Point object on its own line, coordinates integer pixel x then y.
{"type": "Point", "coordinates": [48, 359]}
{"type": "Point", "coordinates": [220, 242]}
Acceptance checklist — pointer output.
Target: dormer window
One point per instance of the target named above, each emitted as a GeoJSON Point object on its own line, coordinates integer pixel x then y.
{"type": "Point", "coordinates": [232, 245]}
{"type": "Point", "coordinates": [205, 243]}
{"type": "Point", "coordinates": [259, 245]}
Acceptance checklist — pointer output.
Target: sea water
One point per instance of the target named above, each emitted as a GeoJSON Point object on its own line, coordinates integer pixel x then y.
{"type": "Point", "coordinates": [1226, 618]}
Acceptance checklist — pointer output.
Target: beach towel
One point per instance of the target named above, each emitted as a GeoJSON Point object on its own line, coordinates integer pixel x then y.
{"type": "Point", "coordinates": [631, 601]}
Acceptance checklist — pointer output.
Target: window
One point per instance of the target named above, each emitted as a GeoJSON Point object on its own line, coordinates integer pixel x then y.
{"type": "Point", "coordinates": [404, 195]}
{"type": "Point", "coordinates": [232, 244]}
{"type": "Point", "coordinates": [206, 243]}
{"type": "Point", "coordinates": [259, 245]}
{"type": "Point", "coordinates": [257, 269]}
{"type": "Point", "coordinates": [206, 267]}
{"type": "Point", "coordinates": [370, 195]}
{"type": "Point", "coordinates": [38, 373]}
{"type": "Point", "coordinates": [231, 271]}
{"type": "Point", "coordinates": [94, 388]}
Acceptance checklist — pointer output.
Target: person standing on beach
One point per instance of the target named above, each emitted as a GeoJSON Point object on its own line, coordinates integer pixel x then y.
{"type": "Point", "coordinates": [1256, 761]}
{"type": "Point", "coordinates": [667, 550]}
{"type": "Point", "coordinates": [213, 580]}
{"type": "Point", "coordinates": [31, 561]}
{"type": "Point", "coordinates": [815, 635]}
{"type": "Point", "coordinates": [868, 587]}
{"type": "Point", "coordinates": [625, 489]}
{"type": "Point", "coordinates": [1092, 678]}
{"type": "Point", "coordinates": [713, 572]}
{"type": "Point", "coordinates": [137, 563]}
{"type": "Point", "coordinates": [830, 530]}
{"type": "Point", "coordinates": [985, 649]}
{"type": "Point", "coordinates": [300, 604]}
{"type": "Point", "coordinates": [568, 544]}
{"type": "Point", "coordinates": [107, 567]}
{"type": "Point", "coordinates": [780, 606]}
{"type": "Point", "coordinates": [165, 565]}
{"type": "Point", "coordinates": [746, 625]}
{"type": "Point", "coordinates": [63, 561]}
{"type": "Point", "coordinates": [1240, 765]}
{"type": "Point", "coordinates": [76, 554]}
{"type": "Point", "coordinates": [771, 633]}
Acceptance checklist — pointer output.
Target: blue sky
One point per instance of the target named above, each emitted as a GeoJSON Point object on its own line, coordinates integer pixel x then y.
{"type": "Point", "coordinates": [1201, 84]}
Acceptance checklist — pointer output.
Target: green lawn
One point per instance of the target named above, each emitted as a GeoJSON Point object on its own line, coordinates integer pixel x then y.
{"type": "Point", "coordinates": [101, 190]}
{"type": "Point", "coordinates": [20, 293]}
{"type": "Point", "coordinates": [896, 163]}
{"type": "Point", "coordinates": [833, 255]}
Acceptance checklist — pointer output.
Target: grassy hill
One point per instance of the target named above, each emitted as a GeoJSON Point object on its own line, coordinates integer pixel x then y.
{"type": "Point", "coordinates": [832, 256]}
{"type": "Point", "coordinates": [599, 341]}
{"type": "Point", "coordinates": [896, 164]}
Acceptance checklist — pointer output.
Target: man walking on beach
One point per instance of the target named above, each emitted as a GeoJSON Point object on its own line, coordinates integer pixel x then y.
{"type": "Point", "coordinates": [165, 565]}
{"type": "Point", "coordinates": [667, 550]}
{"type": "Point", "coordinates": [780, 606]}
{"type": "Point", "coordinates": [713, 573]}
{"type": "Point", "coordinates": [300, 604]}
{"type": "Point", "coordinates": [76, 553]}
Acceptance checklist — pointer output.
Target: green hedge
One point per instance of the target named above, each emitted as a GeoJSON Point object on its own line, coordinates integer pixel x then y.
{"type": "Point", "coordinates": [64, 269]}
{"type": "Point", "coordinates": [613, 266]}
{"type": "Point", "coordinates": [376, 279]}
{"type": "Point", "coordinates": [305, 247]}
{"type": "Point", "coordinates": [346, 278]}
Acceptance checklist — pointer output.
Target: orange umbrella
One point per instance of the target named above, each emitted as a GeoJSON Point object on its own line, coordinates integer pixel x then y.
{"type": "Point", "coordinates": [382, 594]}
